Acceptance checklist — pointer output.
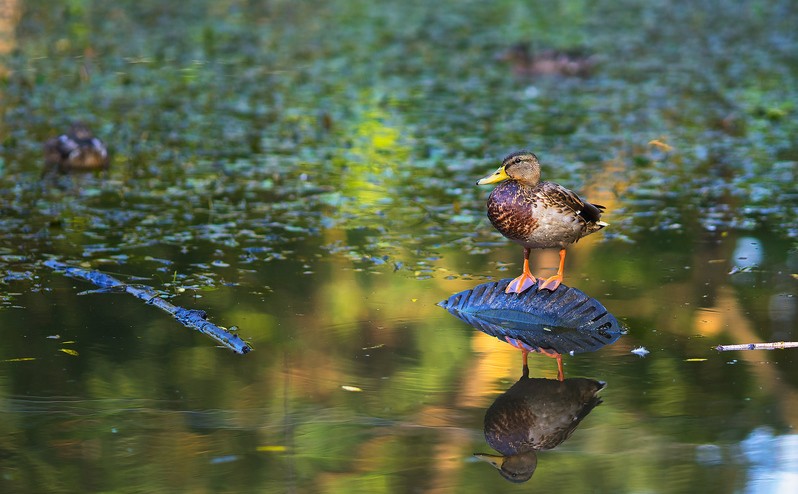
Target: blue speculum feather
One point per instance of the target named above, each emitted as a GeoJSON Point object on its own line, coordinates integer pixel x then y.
{"type": "Point", "coordinates": [565, 320]}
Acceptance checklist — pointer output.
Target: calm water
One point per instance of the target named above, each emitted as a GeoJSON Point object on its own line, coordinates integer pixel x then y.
{"type": "Point", "coordinates": [305, 172]}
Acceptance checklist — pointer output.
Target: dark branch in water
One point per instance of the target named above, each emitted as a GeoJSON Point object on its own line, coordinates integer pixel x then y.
{"type": "Point", "coordinates": [779, 345]}
{"type": "Point", "coordinates": [191, 318]}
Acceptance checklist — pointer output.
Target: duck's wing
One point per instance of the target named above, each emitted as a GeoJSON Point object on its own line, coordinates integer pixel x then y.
{"type": "Point", "coordinates": [58, 148]}
{"type": "Point", "coordinates": [559, 197]}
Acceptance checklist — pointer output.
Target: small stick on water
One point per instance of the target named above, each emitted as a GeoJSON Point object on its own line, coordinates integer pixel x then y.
{"type": "Point", "coordinates": [191, 318]}
{"type": "Point", "coordinates": [778, 345]}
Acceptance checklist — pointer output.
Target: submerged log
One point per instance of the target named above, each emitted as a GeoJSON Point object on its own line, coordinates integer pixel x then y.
{"type": "Point", "coordinates": [191, 318]}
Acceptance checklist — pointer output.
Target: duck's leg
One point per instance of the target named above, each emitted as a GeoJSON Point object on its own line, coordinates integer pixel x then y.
{"type": "Point", "coordinates": [523, 282]}
{"type": "Point", "coordinates": [521, 346]}
{"type": "Point", "coordinates": [555, 355]}
{"type": "Point", "coordinates": [525, 349]}
{"type": "Point", "coordinates": [553, 282]}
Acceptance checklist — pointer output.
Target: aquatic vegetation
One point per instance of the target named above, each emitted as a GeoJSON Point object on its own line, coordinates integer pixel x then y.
{"type": "Point", "coordinates": [260, 136]}
{"type": "Point", "coordinates": [306, 169]}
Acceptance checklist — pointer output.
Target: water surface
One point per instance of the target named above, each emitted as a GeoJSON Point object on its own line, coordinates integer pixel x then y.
{"type": "Point", "coordinates": [304, 171]}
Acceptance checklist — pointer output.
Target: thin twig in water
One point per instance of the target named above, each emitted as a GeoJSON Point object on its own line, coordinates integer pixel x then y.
{"type": "Point", "coordinates": [191, 318]}
{"type": "Point", "coordinates": [778, 345]}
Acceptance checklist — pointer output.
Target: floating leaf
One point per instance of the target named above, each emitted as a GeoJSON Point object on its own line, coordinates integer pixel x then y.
{"type": "Point", "coordinates": [69, 351]}
{"type": "Point", "coordinates": [225, 459]}
{"type": "Point", "coordinates": [351, 388]}
{"type": "Point", "coordinates": [271, 449]}
{"type": "Point", "coordinates": [565, 320]}
{"type": "Point", "coordinates": [661, 144]}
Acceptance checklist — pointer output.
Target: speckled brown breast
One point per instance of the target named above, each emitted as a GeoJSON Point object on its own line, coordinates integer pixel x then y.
{"type": "Point", "coordinates": [534, 216]}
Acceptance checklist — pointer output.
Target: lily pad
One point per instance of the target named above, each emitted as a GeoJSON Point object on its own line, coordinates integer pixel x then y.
{"type": "Point", "coordinates": [565, 320]}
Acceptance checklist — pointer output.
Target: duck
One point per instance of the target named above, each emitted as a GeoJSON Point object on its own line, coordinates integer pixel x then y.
{"type": "Point", "coordinates": [527, 62]}
{"type": "Point", "coordinates": [537, 215]}
{"type": "Point", "coordinates": [77, 150]}
{"type": "Point", "coordinates": [535, 414]}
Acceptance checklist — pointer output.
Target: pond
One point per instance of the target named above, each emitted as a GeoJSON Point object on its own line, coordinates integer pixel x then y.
{"type": "Point", "coordinates": [304, 172]}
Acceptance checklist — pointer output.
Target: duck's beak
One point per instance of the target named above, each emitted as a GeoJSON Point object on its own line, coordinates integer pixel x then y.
{"type": "Point", "coordinates": [494, 460]}
{"type": "Point", "coordinates": [494, 177]}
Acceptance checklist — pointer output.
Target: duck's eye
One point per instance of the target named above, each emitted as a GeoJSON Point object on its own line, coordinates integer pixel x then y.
{"type": "Point", "coordinates": [517, 160]}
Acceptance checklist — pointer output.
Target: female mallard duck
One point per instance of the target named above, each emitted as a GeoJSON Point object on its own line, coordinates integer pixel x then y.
{"type": "Point", "coordinates": [527, 62]}
{"type": "Point", "coordinates": [77, 150]}
{"type": "Point", "coordinates": [537, 214]}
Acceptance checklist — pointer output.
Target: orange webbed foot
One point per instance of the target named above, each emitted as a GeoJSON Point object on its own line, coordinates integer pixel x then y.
{"type": "Point", "coordinates": [521, 284]}
{"type": "Point", "coordinates": [550, 284]}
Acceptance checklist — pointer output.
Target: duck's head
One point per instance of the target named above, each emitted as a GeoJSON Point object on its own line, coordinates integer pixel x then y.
{"type": "Point", "coordinates": [80, 131]}
{"type": "Point", "coordinates": [515, 468]}
{"type": "Point", "coordinates": [521, 166]}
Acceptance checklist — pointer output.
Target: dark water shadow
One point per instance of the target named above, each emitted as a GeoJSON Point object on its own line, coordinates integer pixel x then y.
{"type": "Point", "coordinates": [536, 414]}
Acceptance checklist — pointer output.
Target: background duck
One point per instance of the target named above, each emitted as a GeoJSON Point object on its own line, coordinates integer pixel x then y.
{"type": "Point", "coordinates": [537, 214]}
{"type": "Point", "coordinates": [527, 62]}
{"type": "Point", "coordinates": [77, 150]}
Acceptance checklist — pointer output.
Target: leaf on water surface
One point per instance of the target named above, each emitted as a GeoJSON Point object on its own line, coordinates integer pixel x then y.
{"type": "Point", "coordinates": [18, 276]}
{"type": "Point", "coordinates": [19, 359]}
{"type": "Point", "coordinates": [565, 320]}
{"type": "Point", "coordinates": [661, 144]}
{"type": "Point", "coordinates": [10, 258]}
{"type": "Point", "coordinates": [110, 289]}
{"type": "Point", "coordinates": [224, 459]}
{"type": "Point", "coordinates": [165, 262]}
{"type": "Point", "coordinates": [742, 269]}
{"type": "Point", "coordinates": [353, 389]}
{"type": "Point", "coordinates": [69, 351]}
{"type": "Point", "coordinates": [269, 448]}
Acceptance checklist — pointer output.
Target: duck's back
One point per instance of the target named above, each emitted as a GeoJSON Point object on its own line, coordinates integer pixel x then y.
{"type": "Point", "coordinates": [539, 414]}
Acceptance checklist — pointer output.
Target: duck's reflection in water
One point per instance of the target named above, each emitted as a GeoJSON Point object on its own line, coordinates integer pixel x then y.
{"type": "Point", "coordinates": [535, 414]}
